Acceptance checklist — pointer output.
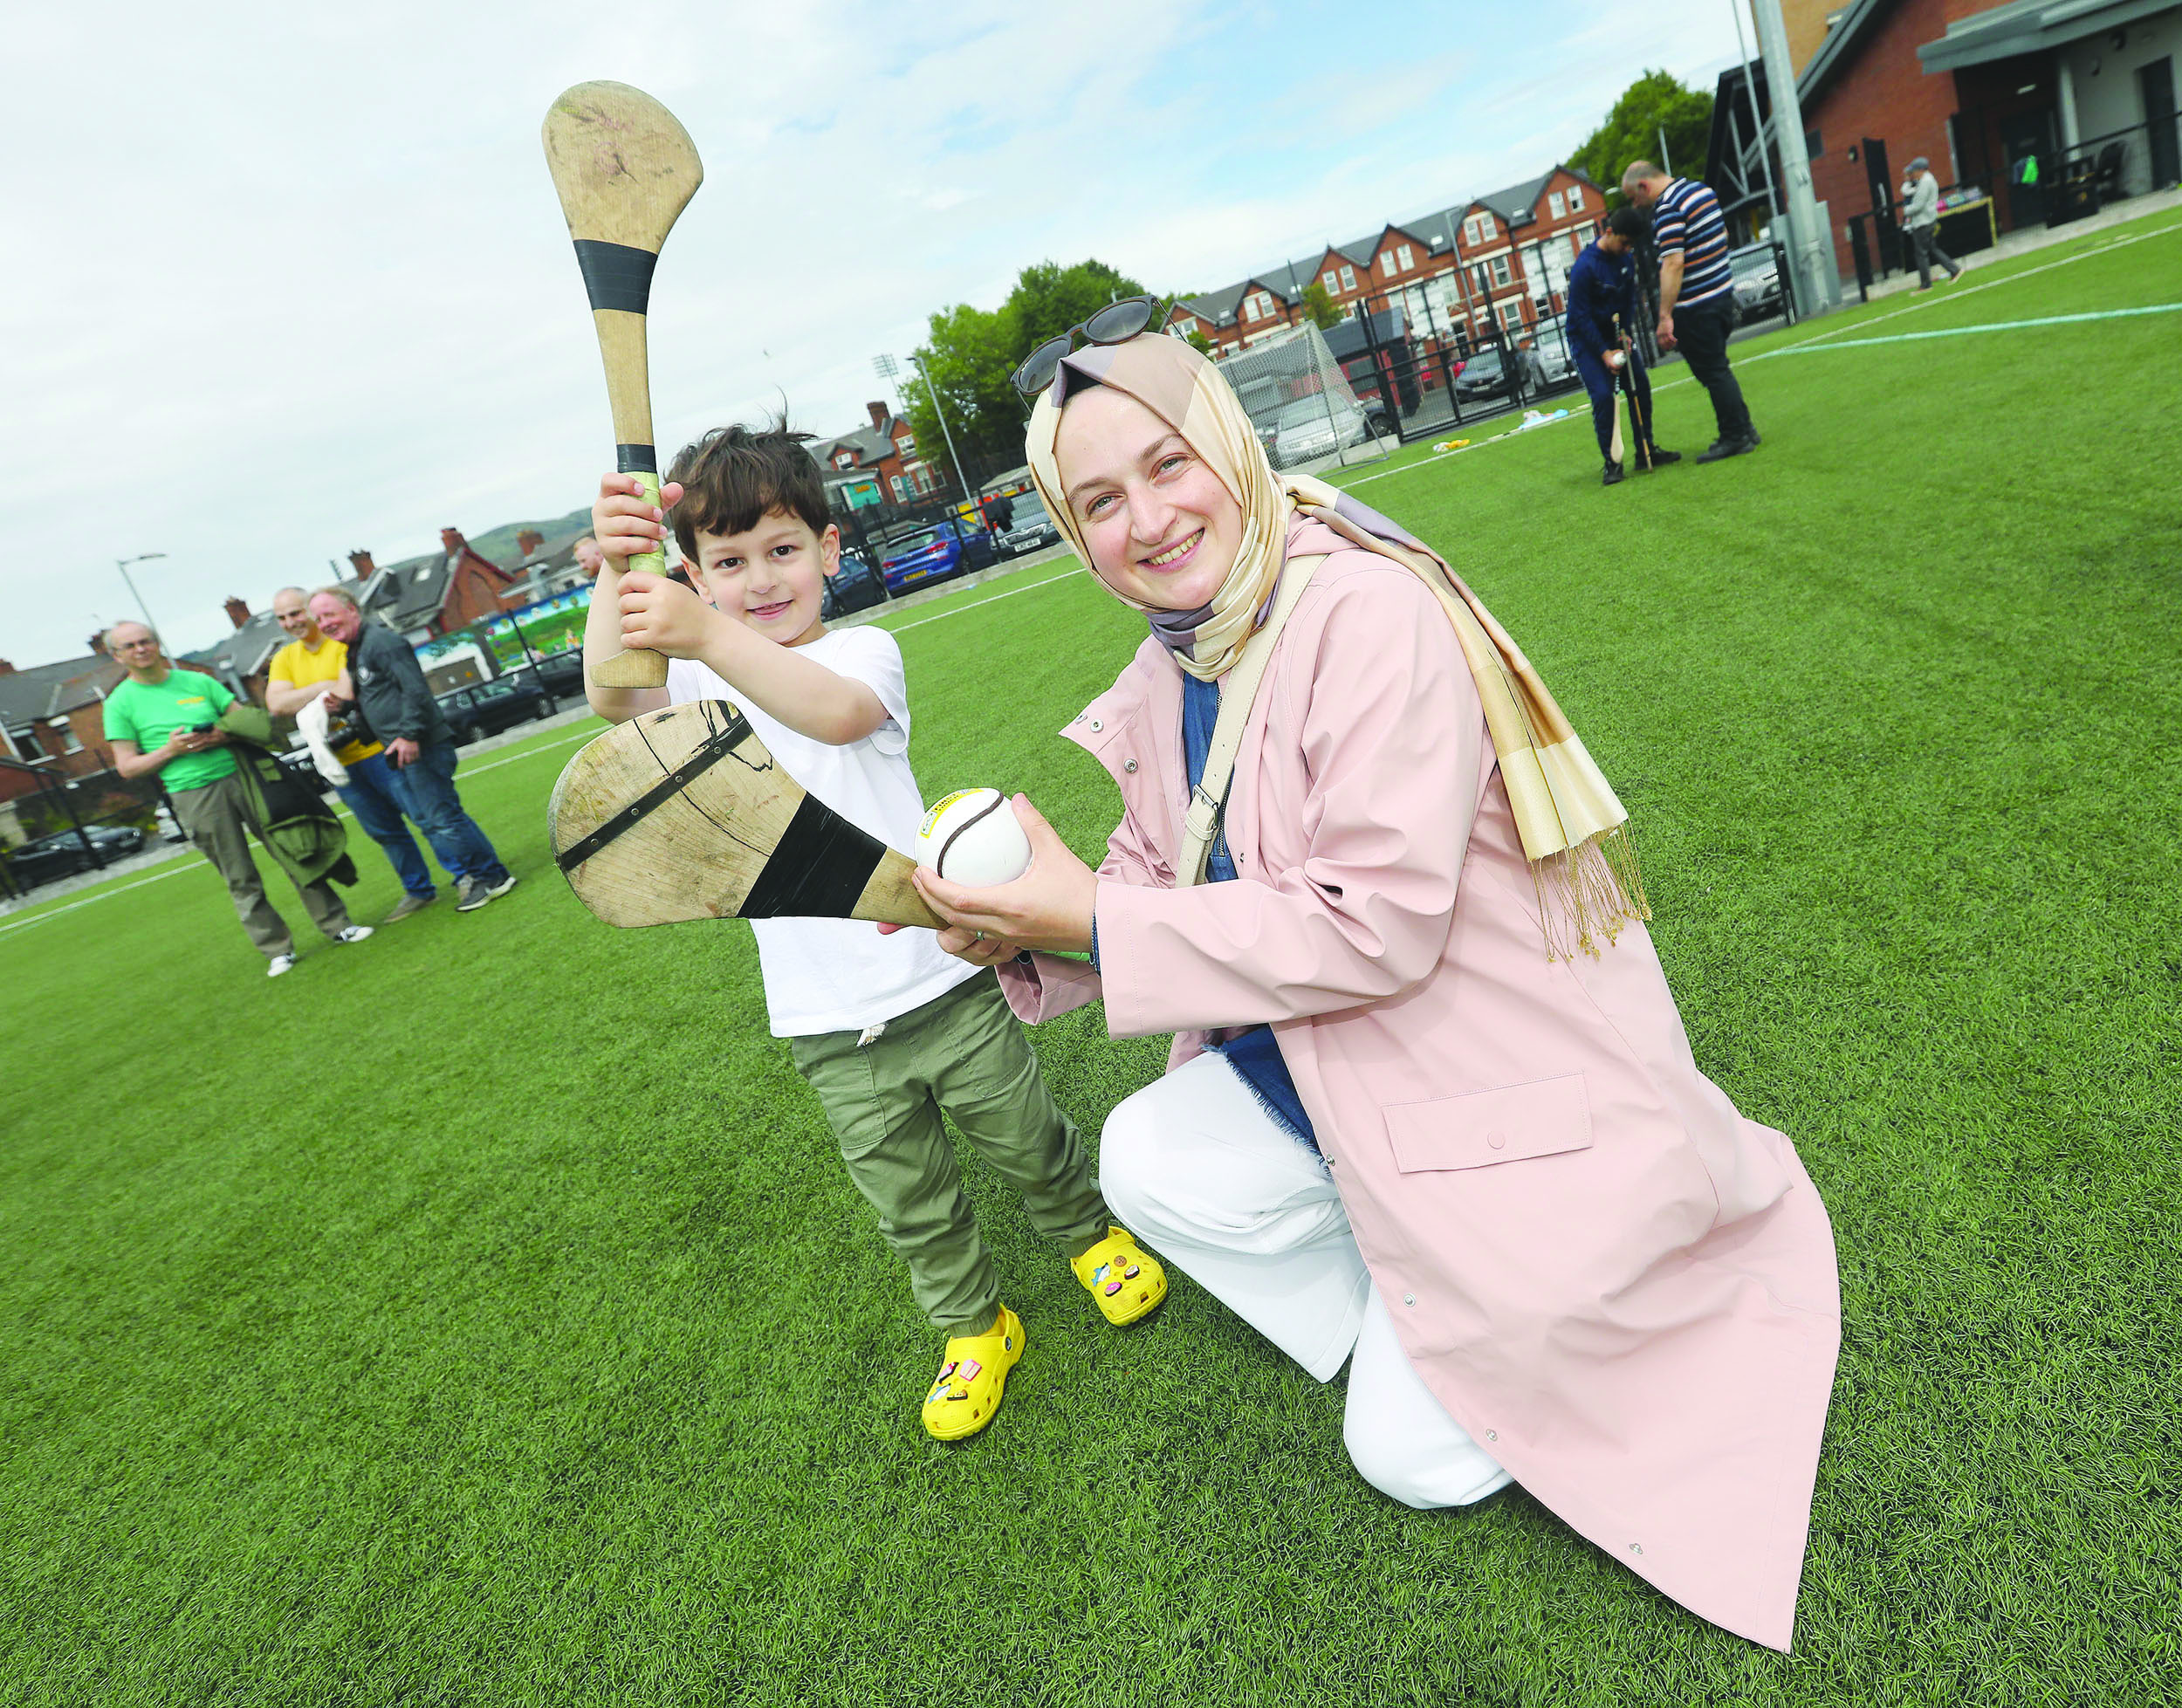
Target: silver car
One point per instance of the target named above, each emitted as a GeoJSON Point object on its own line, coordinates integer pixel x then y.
{"type": "Point", "coordinates": [1028, 528]}
{"type": "Point", "coordinates": [1306, 429]}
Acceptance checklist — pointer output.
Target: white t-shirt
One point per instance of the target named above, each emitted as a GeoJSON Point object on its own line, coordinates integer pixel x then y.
{"type": "Point", "coordinates": [839, 975]}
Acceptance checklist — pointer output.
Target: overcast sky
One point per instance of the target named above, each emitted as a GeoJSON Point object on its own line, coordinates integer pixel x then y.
{"type": "Point", "coordinates": [290, 280]}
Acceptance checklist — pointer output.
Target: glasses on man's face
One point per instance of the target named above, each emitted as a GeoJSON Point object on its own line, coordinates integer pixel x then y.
{"type": "Point", "coordinates": [134, 646]}
{"type": "Point", "coordinates": [1114, 323]}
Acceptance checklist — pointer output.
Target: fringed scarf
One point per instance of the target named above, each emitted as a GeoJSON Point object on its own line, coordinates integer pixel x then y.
{"type": "Point", "coordinates": [1573, 828]}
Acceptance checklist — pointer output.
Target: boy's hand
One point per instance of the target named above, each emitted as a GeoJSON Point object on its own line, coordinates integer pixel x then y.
{"type": "Point", "coordinates": [625, 524]}
{"type": "Point", "coordinates": [662, 616]}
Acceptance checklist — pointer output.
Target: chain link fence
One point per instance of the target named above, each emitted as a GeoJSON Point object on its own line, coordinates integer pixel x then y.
{"type": "Point", "coordinates": [1305, 412]}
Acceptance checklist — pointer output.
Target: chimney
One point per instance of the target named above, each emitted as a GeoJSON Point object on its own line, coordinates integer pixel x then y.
{"type": "Point", "coordinates": [451, 541]}
{"type": "Point", "coordinates": [364, 567]}
{"type": "Point", "coordinates": [880, 415]}
{"type": "Point", "coordinates": [8, 669]}
{"type": "Point", "coordinates": [529, 540]}
{"type": "Point", "coordinates": [237, 613]}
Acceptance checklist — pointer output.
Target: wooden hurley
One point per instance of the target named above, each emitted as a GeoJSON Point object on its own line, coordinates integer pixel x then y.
{"type": "Point", "coordinates": [683, 815]}
{"type": "Point", "coordinates": [624, 168]}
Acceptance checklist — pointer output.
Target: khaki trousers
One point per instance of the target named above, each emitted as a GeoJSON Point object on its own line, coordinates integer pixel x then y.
{"type": "Point", "coordinates": [963, 1052]}
{"type": "Point", "coordinates": [214, 817]}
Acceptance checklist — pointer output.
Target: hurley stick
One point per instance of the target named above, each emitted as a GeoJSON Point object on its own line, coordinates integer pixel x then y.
{"type": "Point", "coordinates": [1613, 450]}
{"type": "Point", "coordinates": [624, 169]}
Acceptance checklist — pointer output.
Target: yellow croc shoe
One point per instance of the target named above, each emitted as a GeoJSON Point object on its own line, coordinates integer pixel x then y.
{"type": "Point", "coordinates": [1128, 1284]}
{"type": "Point", "coordinates": [972, 1376]}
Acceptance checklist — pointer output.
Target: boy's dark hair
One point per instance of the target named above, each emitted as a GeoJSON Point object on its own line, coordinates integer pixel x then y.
{"type": "Point", "coordinates": [734, 477]}
{"type": "Point", "coordinates": [1629, 224]}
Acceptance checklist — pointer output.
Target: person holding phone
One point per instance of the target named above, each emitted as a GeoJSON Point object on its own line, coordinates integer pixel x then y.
{"type": "Point", "coordinates": [166, 720]}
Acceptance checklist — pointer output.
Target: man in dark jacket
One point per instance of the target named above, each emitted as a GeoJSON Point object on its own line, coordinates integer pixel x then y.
{"type": "Point", "coordinates": [1602, 285]}
{"type": "Point", "coordinates": [387, 684]}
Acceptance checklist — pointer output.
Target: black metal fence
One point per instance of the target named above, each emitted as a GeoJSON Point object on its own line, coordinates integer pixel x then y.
{"type": "Point", "coordinates": [72, 825]}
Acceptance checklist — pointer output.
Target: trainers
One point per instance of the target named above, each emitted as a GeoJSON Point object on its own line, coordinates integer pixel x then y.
{"type": "Point", "coordinates": [354, 934]}
{"type": "Point", "coordinates": [1660, 458]}
{"type": "Point", "coordinates": [469, 895]}
{"type": "Point", "coordinates": [503, 887]}
{"type": "Point", "coordinates": [1128, 1284]}
{"type": "Point", "coordinates": [278, 964]}
{"type": "Point", "coordinates": [408, 904]}
{"type": "Point", "coordinates": [1612, 474]}
{"type": "Point", "coordinates": [972, 1378]}
{"type": "Point", "coordinates": [1720, 449]}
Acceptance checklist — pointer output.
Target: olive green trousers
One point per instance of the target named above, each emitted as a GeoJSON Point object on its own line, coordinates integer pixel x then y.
{"type": "Point", "coordinates": [963, 1052]}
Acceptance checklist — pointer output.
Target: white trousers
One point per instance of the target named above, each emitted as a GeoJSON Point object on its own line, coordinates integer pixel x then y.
{"type": "Point", "coordinates": [1199, 1172]}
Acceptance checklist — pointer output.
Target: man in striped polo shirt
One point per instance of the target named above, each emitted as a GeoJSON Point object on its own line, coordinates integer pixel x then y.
{"type": "Point", "coordinates": [1697, 297]}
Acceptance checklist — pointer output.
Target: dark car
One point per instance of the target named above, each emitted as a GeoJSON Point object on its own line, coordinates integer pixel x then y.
{"type": "Point", "coordinates": [1485, 375]}
{"type": "Point", "coordinates": [62, 854]}
{"type": "Point", "coordinates": [1028, 529]}
{"type": "Point", "coordinates": [561, 674]}
{"type": "Point", "coordinates": [493, 706]}
{"type": "Point", "coordinates": [946, 548]}
{"type": "Point", "coordinates": [854, 585]}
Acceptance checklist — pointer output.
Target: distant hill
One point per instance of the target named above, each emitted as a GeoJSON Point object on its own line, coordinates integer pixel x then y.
{"type": "Point", "coordinates": [499, 544]}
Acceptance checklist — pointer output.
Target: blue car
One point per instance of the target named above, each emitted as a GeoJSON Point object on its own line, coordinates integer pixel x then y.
{"type": "Point", "coordinates": [932, 554]}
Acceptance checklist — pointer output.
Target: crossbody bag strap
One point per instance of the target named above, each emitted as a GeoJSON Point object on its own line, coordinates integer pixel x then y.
{"type": "Point", "coordinates": [1238, 694]}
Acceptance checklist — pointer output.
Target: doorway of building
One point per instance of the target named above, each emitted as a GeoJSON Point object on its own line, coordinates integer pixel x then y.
{"type": "Point", "coordinates": [2156, 83]}
{"type": "Point", "coordinates": [2026, 143]}
{"type": "Point", "coordinates": [1885, 221]}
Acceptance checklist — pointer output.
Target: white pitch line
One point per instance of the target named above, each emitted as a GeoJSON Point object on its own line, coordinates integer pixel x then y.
{"type": "Point", "coordinates": [1813, 347]}
{"type": "Point", "coordinates": [956, 610]}
{"type": "Point", "coordinates": [183, 863]}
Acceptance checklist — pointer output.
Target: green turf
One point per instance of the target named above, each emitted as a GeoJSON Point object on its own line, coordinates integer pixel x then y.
{"type": "Point", "coordinates": [478, 1315]}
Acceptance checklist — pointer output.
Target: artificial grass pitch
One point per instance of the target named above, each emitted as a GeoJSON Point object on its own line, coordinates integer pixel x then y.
{"type": "Point", "coordinates": [482, 1315]}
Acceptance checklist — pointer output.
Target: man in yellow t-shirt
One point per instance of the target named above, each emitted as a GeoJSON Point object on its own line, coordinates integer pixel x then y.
{"type": "Point", "coordinates": [301, 671]}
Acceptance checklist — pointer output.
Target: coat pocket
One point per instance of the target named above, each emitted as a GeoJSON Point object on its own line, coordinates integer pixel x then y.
{"type": "Point", "coordinates": [1504, 1125]}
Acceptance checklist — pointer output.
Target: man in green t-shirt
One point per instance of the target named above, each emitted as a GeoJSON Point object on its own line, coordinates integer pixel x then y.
{"type": "Point", "coordinates": [161, 719]}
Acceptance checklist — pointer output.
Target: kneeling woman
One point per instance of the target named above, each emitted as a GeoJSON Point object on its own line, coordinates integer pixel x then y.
{"type": "Point", "coordinates": [1431, 1108]}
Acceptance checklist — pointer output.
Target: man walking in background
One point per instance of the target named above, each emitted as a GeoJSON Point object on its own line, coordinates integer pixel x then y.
{"type": "Point", "coordinates": [386, 684]}
{"type": "Point", "coordinates": [1920, 220]}
{"type": "Point", "coordinates": [1697, 295]}
{"type": "Point", "coordinates": [301, 671]}
{"type": "Point", "coordinates": [161, 719]}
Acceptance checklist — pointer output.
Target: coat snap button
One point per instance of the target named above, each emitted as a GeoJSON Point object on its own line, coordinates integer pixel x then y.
{"type": "Point", "coordinates": [1095, 724]}
{"type": "Point", "coordinates": [1409, 1298]}
{"type": "Point", "coordinates": [1636, 1548]}
{"type": "Point", "coordinates": [1492, 1435]}
{"type": "Point", "coordinates": [1128, 765]}
{"type": "Point", "coordinates": [1497, 1139]}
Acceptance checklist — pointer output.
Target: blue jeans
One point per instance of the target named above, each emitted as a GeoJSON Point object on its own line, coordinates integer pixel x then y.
{"type": "Point", "coordinates": [372, 794]}
{"type": "Point", "coordinates": [426, 789]}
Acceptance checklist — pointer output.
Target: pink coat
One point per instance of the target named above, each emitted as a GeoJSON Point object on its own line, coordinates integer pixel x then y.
{"type": "Point", "coordinates": [1622, 1289]}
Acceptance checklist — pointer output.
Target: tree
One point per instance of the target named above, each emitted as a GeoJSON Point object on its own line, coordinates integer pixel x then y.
{"type": "Point", "coordinates": [1318, 303]}
{"type": "Point", "coordinates": [1197, 341]}
{"type": "Point", "coordinates": [971, 354]}
{"type": "Point", "coordinates": [1654, 102]}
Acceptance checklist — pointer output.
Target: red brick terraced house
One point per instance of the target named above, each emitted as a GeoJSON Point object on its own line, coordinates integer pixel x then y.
{"type": "Point", "coordinates": [876, 464]}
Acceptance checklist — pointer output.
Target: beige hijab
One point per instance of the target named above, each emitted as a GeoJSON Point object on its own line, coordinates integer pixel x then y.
{"type": "Point", "coordinates": [1572, 826]}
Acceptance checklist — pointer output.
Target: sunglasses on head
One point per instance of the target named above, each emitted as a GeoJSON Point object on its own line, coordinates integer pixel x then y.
{"type": "Point", "coordinates": [1114, 323]}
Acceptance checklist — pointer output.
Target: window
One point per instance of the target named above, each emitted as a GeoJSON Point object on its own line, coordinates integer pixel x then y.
{"type": "Point", "coordinates": [1386, 262]}
{"type": "Point", "coordinates": [905, 446]}
{"type": "Point", "coordinates": [1330, 279]}
{"type": "Point", "coordinates": [1487, 229]}
{"type": "Point", "coordinates": [1812, 146]}
{"type": "Point", "coordinates": [68, 742]}
{"type": "Point", "coordinates": [901, 490]}
{"type": "Point", "coordinates": [1556, 205]}
{"type": "Point", "coordinates": [1403, 259]}
{"type": "Point", "coordinates": [1575, 197]}
{"type": "Point", "coordinates": [1512, 316]}
{"type": "Point", "coordinates": [1469, 230]}
{"type": "Point", "coordinates": [1500, 269]}
{"type": "Point", "coordinates": [1349, 278]}
{"type": "Point", "coordinates": [1253, 306]}
{"type": "Point", "coordinates": [1484, 279]}
{"type": "Point", "coordinates": [845, 460]}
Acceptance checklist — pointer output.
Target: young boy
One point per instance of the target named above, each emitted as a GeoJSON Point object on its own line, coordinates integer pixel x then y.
{"type": "Point", "coordinates": [887, 1028]}
{"type": "Point", "coordinates": [1601, 285]}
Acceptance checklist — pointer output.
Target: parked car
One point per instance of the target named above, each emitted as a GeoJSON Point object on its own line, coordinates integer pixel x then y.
{"type": "Point", "coordinates": [1029, 528]}
{"type": "Point", "coordinates": [1758, 294]}
{"type": "Point", "coordinates": [854, 585]}
{"type": "Point", "coordinates": [932, 554]}
{"type": "Point", "coordinates": [493, 706]}
{"type": "Point", "coordinates": [1310, 426]}
{"type": "Point", "coordinates": [63, 854]}
{"type": "Point", "coordinates": [1485, 375]}
{"type": "Point", "coordinates": [561, 674]}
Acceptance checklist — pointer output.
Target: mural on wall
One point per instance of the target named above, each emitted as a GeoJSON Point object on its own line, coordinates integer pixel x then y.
{"type": "Point", "coordinates": [509, 640]}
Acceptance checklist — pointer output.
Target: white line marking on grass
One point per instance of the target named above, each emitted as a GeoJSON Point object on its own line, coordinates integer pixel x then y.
{"type": "Point", "coordinates": [956, 610]}
{"type": "Point", "coordinates": [1812, 345]}
{"type": "Point", "coordinates": [183, 863]}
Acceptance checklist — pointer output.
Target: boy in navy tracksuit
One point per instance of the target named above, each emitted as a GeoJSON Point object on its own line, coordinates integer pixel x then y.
{"type": "Point", "coordinates": [1601, 285]}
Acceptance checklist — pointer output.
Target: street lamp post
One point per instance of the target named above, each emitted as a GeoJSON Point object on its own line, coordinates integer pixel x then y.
{"type": "Point", "coordinates": [886, 370]}
{"type": "Point", "coordinates": [122, 564]}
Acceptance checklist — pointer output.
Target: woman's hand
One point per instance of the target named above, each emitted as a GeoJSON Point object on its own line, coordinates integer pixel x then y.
{"type": "Point", "coordinates": [1049, 906]}
{"type": "Point", "coordinates": [663, 616]}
